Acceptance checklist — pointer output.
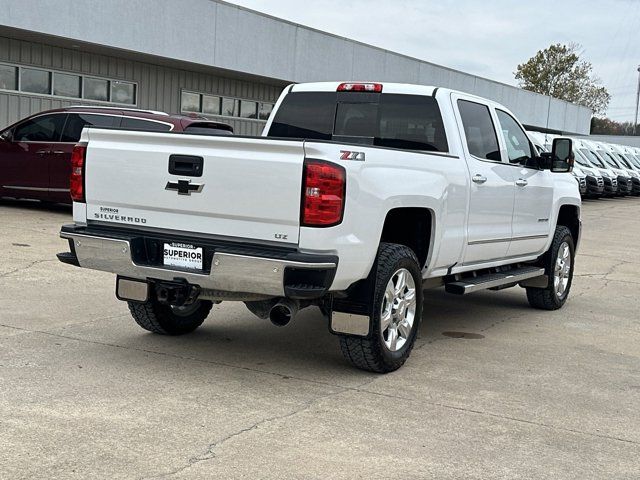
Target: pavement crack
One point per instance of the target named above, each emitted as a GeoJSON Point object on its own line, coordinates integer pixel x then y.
{"type": "Point", "coordinates": [532, 422]}
{"type": "Point", "coordinates": [210, 454]}
{"type": "Point", "coordinates": [26, 267]}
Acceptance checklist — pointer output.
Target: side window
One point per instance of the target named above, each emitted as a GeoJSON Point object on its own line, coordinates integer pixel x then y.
{"type": "Point", "coordinates": [479, 131]}
{"type": "Point", "coordinates": [77, 121]}
{"type": "Point", "coordinates": [46, 128]}
{"type": "Point", "coordinates": [518, 146]}
{"type": "Point", "coordinates": [140, 124]}
{"type": "Point", "coordinates": [305, 115]}
{"type": "Point", "coordinates": [411, 122]}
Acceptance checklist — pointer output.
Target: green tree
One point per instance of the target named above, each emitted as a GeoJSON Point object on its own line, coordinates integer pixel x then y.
{"type": "Point", "coordinates": [606, 126]}
{"type": "Point", "coordinates": [560, 72]}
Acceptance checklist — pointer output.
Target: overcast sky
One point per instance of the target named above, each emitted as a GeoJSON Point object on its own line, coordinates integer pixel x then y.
{"type": "Point", "coordinates": [487, 38]}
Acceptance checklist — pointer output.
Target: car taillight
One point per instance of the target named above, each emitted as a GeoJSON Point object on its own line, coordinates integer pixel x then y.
{"type": "Point", "coordinates": [323, 193]}
{"type": "Point", "coordinates": [360, 87]}
{"type": "Point", "coordinates": [76, 180]}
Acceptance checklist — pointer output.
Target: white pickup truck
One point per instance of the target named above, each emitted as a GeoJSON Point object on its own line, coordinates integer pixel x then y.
{"type": "Point", "coordinates": [356, 198]}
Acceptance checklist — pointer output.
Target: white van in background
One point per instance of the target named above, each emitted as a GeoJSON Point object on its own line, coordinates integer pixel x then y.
{"type": "Point", "coordinates": [620, 154]}
{"type": "Point", "coordinates": [588, 151]}
{"type": "Point", "coordinates": [625, 184]}
{"type": "Point", "coordinates": [589, 178]}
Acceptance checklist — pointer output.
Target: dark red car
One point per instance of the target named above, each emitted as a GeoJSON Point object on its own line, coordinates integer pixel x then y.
{"type": "Point", "coordinates": [35, 153]}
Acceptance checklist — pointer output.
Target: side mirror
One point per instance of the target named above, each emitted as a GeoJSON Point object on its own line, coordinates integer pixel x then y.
{"type": "Point", "coordinates": [562, 155]}
{"type": "Point", "coordinates": [6, 135]}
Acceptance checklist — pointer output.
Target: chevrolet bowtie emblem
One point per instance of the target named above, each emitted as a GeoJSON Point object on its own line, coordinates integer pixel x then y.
{"type": "Point", "coordinates": [184, 187]}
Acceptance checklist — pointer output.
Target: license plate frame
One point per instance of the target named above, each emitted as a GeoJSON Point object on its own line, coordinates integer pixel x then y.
{"type": "Point", "coordinates": [183, 255]}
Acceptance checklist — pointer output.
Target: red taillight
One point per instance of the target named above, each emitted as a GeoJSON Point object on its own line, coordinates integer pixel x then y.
{"type": "Point", "coordinates": [323, 193]}
{"type": "Point", "coordinates": [76, 180]}
{"type": "Point", "coordinates": [360, 87]}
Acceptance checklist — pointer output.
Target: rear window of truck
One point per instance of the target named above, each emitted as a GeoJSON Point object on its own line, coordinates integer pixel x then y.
{"type": "Point", "coordinates": [408, 122]}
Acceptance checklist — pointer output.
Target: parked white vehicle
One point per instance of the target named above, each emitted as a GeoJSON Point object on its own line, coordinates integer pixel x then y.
{"type": "Point", "coordinates": [589, 178]}
{"type": "Point", "coordinates": [610, 177]}
{"type": "Point", "coordinates": [358, 196]}
{"type": "Point", "coordinates": [620, 155]}
{"type": "Point", "coordinates": [539, 141]}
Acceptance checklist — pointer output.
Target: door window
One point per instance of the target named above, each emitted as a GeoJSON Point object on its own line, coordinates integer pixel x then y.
{"type": "Point", "coordinates": [46, 128]}
{"type": "Point", "coordinates": [140, 124]}
{"type": "Point", "coordinates": [77, 121]}
{"type": "Point", "coordinates": [518, 146]}
{"type": "Point", "coordinates": [479, 131]}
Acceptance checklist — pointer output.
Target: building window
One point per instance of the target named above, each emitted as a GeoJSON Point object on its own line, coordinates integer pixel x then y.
{"type": "Point", "coordinates": [66, 85]}
{"type": "Point", "coordinates": [8, 77]}
{"type": "Point", "coordinates": [190, 102]}
{"type": "Point", "coordinates": [193, 102]}
{"type": "Point", "coordinates": [35, 81]}
{"type": "Point", "coordinates": [264, 110]}
{"type": "Point", "coordinates": [230, 107]}
{"type": "Point", "coordinates": [211, 105]}
{"type": "Point", "coordinates": [248, 109]}
{"type": "Point", "coordinates": [123, 92]}
{"type": "Point", "coordinates": [96, 89]}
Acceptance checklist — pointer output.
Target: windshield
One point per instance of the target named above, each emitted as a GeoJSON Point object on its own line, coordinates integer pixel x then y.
{"type": "Point", "coordinates": [592, 158]}
{"type": "Point", "coordinates": [635, 161]}
{"type": "Point", "coordinates": [609, 159]}
{"type": "Point", "coordinates": [623, 161]}
{"type": "Point", "coordinates": [580, 159]}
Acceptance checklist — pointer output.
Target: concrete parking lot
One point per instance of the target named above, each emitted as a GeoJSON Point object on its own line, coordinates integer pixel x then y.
{"type": "Point", "coordinates": [493, 388]}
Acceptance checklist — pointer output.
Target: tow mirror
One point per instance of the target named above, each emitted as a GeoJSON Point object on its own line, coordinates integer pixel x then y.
{"type": "Point", "coordinates": [562, 157]}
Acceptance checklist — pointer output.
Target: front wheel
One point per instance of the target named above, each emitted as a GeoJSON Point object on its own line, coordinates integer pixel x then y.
{"type": "Point", "coordinates": [169, 320]}
{"type": "Point", "coordinates": [396, 313]}
{"type": "Point", "coordinates": [558, 263]}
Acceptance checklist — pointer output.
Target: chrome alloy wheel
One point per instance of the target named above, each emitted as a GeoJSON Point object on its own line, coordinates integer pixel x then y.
{"type": "Point", "coordinates": [562, 270]}
{"type": "Point", "coordinates": [398, 310]}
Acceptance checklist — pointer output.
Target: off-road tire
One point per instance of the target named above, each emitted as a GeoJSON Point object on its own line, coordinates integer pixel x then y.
{"type": "Point", "coordinates": [163, 319]}
{"type": "Point", "coordinates": [370, 352]}
{"type": "Point", "coordinates": [547, 298]}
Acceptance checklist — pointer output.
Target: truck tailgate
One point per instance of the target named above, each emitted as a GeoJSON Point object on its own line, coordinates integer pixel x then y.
{"type": "Point", "coordinates": [250, 187]}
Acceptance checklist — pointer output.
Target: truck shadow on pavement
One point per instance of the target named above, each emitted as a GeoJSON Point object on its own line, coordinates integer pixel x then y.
{"type": "Point", "coordinates": [232, 336]}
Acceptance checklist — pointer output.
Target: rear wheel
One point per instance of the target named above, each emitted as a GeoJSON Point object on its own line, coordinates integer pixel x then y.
{"type": "Point", "coordinates": [396, 313]}
{"type": "Point", "coordinates": [169, 320]}
{"type": "Point", "coordinates": [558, 263]}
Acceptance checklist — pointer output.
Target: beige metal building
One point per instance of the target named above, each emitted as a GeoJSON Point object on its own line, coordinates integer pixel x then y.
{"type": "Point", "coordinates": [207, 57]}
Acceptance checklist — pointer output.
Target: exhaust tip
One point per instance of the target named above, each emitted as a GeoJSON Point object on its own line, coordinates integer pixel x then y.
{"type": "Point", "coordinates": [283, 312]}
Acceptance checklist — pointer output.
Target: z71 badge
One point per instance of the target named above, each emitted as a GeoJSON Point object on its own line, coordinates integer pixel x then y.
{"type": "Point", "coordinates": [347, 155]}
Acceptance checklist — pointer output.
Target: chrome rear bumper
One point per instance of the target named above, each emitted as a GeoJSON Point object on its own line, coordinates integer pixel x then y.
{"type": "Point", "coordinates": [230, 272]}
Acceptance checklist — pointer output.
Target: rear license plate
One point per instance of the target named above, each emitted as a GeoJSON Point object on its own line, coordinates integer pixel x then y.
{"type": "Point", "coordinates": [183, 255]}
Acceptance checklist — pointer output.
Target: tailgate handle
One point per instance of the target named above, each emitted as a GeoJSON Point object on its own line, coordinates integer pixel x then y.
{"type": "Point", "coordinates": [186, 165]}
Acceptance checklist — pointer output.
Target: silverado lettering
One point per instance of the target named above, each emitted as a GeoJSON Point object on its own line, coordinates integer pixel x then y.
{"type": "Point", "coordinates": [118, 218]}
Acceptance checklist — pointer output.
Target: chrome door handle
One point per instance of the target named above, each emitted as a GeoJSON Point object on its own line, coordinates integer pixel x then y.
{"type": "Point", "coordinates": [42, 152]}
{"type": "Point", "coordinates": [477, 178]}
{"type": "Point", "coordinates": [521, 182]}
{"type": "Point", "coordinates": [58, 152]}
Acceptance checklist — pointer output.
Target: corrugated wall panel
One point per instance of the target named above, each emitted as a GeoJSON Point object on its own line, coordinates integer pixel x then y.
{"type": "Point", "coordinates": [159, 87]}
